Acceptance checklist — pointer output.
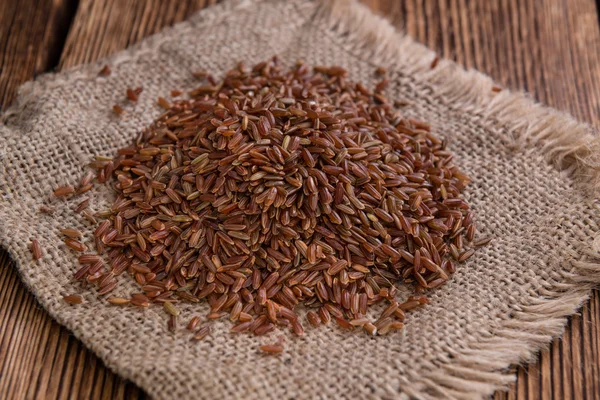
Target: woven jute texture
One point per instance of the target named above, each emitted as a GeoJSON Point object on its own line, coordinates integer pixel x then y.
{"type": "Point", "coordinates": [533, 168]}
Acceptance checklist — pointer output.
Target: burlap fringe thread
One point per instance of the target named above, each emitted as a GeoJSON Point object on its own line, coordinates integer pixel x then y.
{"type": "Point", "coordinates": [568, 145]}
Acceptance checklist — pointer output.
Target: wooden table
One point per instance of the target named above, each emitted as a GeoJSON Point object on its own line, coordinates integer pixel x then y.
{"type": "Point", "coordinates": [550, 48]}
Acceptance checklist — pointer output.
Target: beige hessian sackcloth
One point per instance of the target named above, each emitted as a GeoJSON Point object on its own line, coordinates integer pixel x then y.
{"type": "Point", "coordinates": [533, 172]}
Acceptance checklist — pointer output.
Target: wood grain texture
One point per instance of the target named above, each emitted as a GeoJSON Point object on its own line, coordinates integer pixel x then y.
{"type": "Point", "coordinates": [31, 36]}
{"type": "Point", "coordinates": [101, 28]}
{"type": "Point", "coordinates": [550, 48]}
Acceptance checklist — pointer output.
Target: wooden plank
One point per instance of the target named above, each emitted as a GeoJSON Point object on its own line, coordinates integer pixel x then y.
{"type": "Point", "coordinates": [595, 333]}
{"type": "Point", "coordinates": [547, 47]}
{"type": "Point", "coordinates": [521, 390]}
{"type": "Point", "coordinates": [567, 365]}
{"type": "Point", "coordinates": [576, 351]}
{"type": "Point", "coordinates": [533, 380]}
{"type": "Point", "coordinates": [557, 382]}
{"type": "Point", "coordinates": [101, 28]}
{"type": "Point", "coordinates": [31, 37]}
{"type": "Point", "coordinates": [587, 350]}
{"type": "Point", "coordinates": [545, 375]}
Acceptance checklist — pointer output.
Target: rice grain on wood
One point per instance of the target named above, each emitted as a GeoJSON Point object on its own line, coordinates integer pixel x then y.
{"type": "Point", "coordinates": [278, 188]}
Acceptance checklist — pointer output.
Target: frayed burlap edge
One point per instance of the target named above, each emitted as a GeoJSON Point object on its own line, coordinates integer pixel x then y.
{"type": "Point", "coordinates": [567, 144]}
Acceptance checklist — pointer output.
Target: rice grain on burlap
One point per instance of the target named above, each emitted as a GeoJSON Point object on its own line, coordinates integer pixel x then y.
{"type": "Point", "coordinates": [533, 170]}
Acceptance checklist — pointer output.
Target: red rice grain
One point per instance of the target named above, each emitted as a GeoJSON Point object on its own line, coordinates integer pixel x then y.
{"type": "Point", "coordinates": [73, 299]}
{"type": "Point", "coordinates": [202, 333]}
{"type": "Point", "coordinates": [193, 324]}
{"type": "Point", "coordinates": [274, 188]}
{"type": "Point", "coordinates": [132, 95]}
{"type": "Point", "coordinates": [75, 244]}
{"type": "Point", "coordinates": [105, 71]}
{"type": "Point", "coordinates": [72, 233]}
{"type": "Point", "coordinates": [64, 191]}
{"type": "Point", "coordinates": [47, 210]}
{"type": "Point", "coordinates": [118, 301]}
{"type": "Point", "coordinates": [117, 109]}
{"type": "Point", "coordinates": [36, 250]}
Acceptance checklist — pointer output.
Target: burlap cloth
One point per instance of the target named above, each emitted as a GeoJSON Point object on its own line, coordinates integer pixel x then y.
{"type": "Point", "coordinates": [532, 171]}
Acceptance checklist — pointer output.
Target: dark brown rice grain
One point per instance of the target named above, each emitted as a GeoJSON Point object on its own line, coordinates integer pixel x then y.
{"type": "Point", "coordinates": [172, 323]}
{"type": "Point", "coordinates": [117, 109]}
{"type": "Point", "coordinates": [465, 255]}
{"type": "Point", "coordinates": [64, 191]}
{"type": "Point", "coordinates": [271, 348]}
{"type": "Point", "coordinates": [193, 324]}
{"type": "Point", "coordinates": [47, 210]}
{"type": "Point", "coordinates": [105, 71]}
{"type": "Point", "coordinates": [482, 242]}
{"type": "Point", "coordinates": [261, 192]}
{"type": "Point", "coordinates": [72, 233]}
{"type": "Point", "coordinates": [202, 333]}
{"type": "Point", "coordinates": [36, 250]}
{"type": "Point", "coordinates": [132, 95]}
{"type": "Point", "coordinates": [75, 244]}
{"type": "Point", "coordinates": [73, 299]}
{"type": "Point", "coordinates": [109, 287]}
{"type": "Point", "coordinates": [82, 206]}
